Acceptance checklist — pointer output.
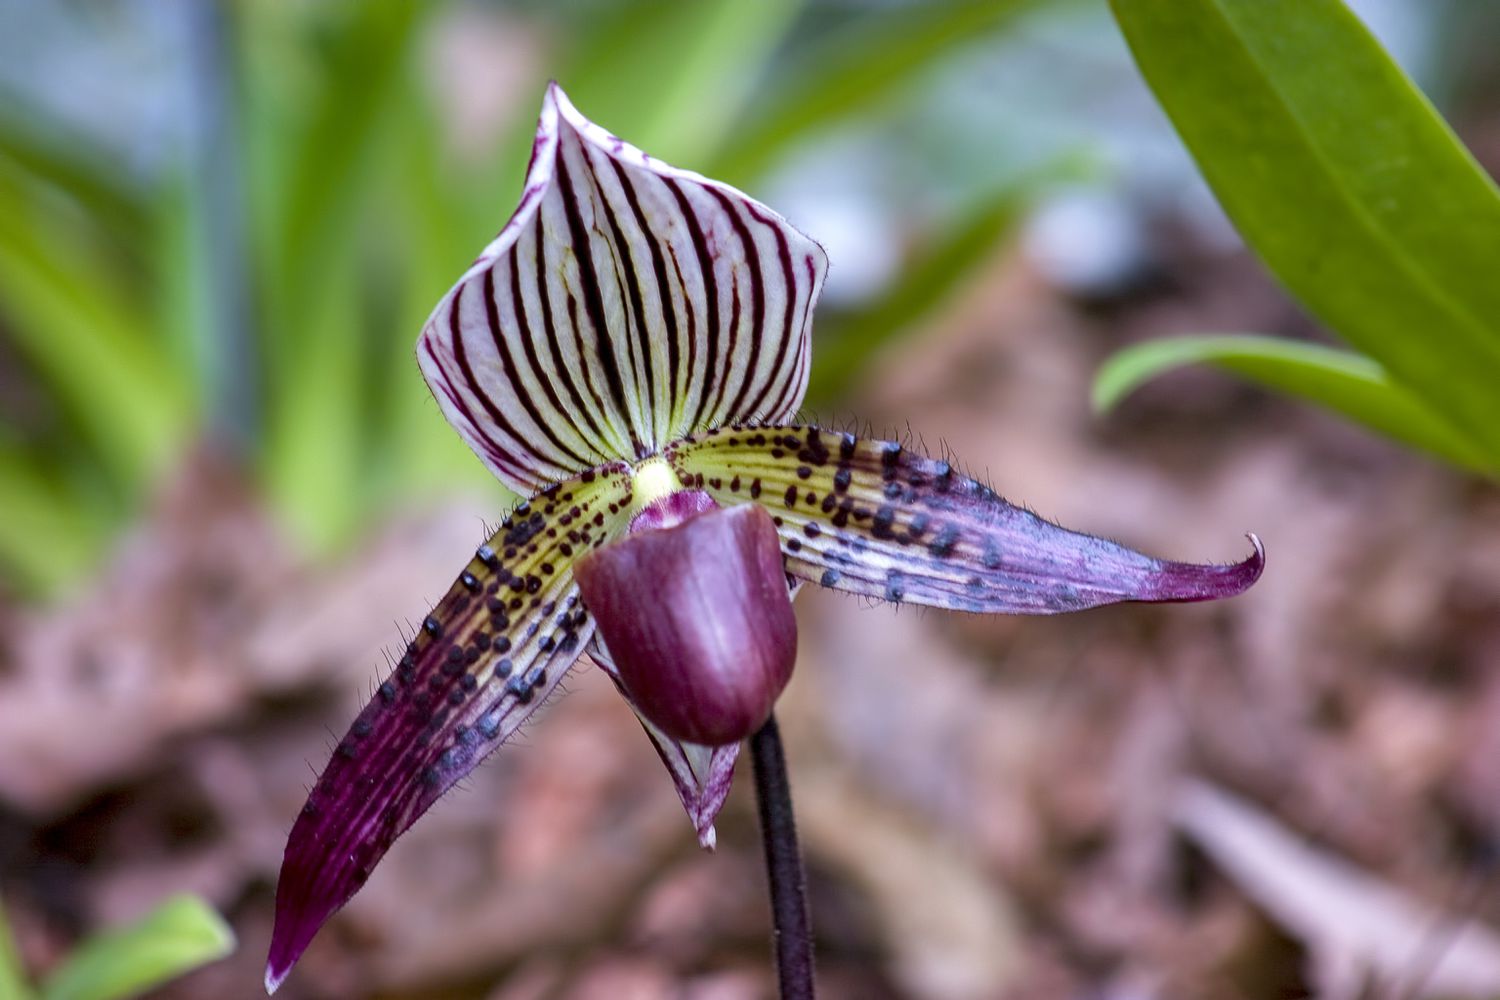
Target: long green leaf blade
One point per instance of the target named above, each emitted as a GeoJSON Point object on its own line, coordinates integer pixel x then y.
{"type": "Point", "coordinates": [1348, 383]}
{"type": "Point", "coordinates": [180, 935]}
{"type": "Point", "coordinates": [1344, 179]}
{"type": "Point", "coordinates": [311, 251]}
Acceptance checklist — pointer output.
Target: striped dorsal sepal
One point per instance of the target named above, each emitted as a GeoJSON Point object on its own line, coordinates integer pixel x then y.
{"type": "Point", "coordinates": [625, 305]}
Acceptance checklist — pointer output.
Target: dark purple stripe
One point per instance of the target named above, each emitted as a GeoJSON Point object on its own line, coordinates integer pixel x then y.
{"type": "Point", "coordinates": [497, 334]}
{"type": "Point", "coordinates": [711, 293]}
{"type": "Point", "coordinates": [726, 363]}
{"type": "Point", "coordinates": [593, 301]}
{"type": "Point", "coordinates": [600, 441]}
{"type": "Point", "coordinates": [797, 372]}
{"type": "Point", "coordinates": [788, 332]}
{"type": "Point", "coordinates": [757, 303]}
{"type": "Point", "coordinates": [659, 270]}
{"type": "Point", "coordinates": [632, 285]}
{"type": "Point", "coordinates": [498, 453]}
{"type": "Point", "coordinates": [581, 348]}
{"type": "Point", "coordinates": [692, 330]}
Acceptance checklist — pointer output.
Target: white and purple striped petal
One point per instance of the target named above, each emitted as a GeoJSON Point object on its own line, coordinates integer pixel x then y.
{"type": "Point", "coordinates": [625, 305]}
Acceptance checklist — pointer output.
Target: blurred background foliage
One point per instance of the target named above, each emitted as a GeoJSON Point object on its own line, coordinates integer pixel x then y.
{"type": "Point", "coordinates": [227, 221]}
{"type": "Point", "coordinates": [234, 220]}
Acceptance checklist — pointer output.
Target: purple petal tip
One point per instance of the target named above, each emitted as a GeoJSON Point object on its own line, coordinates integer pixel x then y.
{"type": "Point", "coordinates": [1192, 582]}
{"type": "Point", "coordinates": [289, 939]}
{"type": "Point", "coordinates": [275, 977]}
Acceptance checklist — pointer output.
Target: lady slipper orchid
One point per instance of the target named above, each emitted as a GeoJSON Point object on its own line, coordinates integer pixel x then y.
{"type": "Point", "coordinates": [628, 354]}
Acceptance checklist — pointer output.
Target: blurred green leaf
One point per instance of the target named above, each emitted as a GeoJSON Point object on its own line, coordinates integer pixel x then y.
{"type": "Point", "coordinates": [46, 538]}
{"type": "Point", "coordinates": [12, 976]}
{"type": "Point", "coordinates": [181, 265]}
{"type": "Point", "coordinates": [1347, 383]}
{"type": "Point", "coordinates": [88, 340]}
{"type": "Point", "coordinates": [314, 353]}
{"type": "Point", "coordinates": [428, 243]}
{"type": "Point", "coordinates": [1347, 183]}
{"type": "Point", "coordinates": [850, 71]}
{"type": "Point", "coordinates": [73, 164]}
{"type": "Point", "coordinates": [180, 935]}
{"type": "Point", "coordinates": [312, 458]}
{"type": "Point", "coordinates": [927, 283]}
{"type": "Point", "coordinates": [365, 63]}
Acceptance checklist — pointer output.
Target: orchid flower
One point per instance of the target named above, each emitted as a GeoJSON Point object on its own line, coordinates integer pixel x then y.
{"type": "Point", "coordinates": [629, 354]}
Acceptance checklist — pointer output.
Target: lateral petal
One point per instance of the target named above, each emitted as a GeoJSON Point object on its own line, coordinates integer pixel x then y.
{"type": "Point", "coordinates": [701, 774]}
{"type": "Point", "coordinates": [488, 655]}
{"type": "Point", "coordinates": [626, 304]}
{"type": "Point", "coordinates": [871, 517]}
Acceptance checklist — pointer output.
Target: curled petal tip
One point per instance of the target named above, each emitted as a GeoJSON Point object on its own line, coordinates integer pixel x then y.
{"type": "Point", "coordinates": [1194, 582]}
{"type": "Point", "coordinates": [555, 99]}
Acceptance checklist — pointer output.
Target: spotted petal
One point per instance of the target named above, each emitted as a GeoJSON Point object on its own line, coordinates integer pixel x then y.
{"type": "Point", "coordinates": [871, 517]}
{"type": "Point", "coordinates": [626, 304]}
{"type": "Point", "coordinates": [701, 774]}
{"type": "Point", "coordinates": [486, 657]}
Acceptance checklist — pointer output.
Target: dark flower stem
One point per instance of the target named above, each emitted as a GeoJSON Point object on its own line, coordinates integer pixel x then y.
{"type": "Point", "coordinates": [791, 935]}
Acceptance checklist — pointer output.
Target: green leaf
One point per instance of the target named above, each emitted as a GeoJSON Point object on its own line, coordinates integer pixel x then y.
{"type": "Point", "coordinates": [428, 243]}
{"type": "Point", "coordinates": [365, 62]}
{"type": "Point", "coordinates": [1347, 383]}
{"type": "Point", "coordinates": [927, 283]}
{"type": "Point", "coordinates": [1346, 182]}
{"type": "Point", "coordinates": [88, 340]}
{"type": "Point", "coordinates": [43, 147]}
{"type": "Point", "coordinates": [851, 71]}
{"type": "Point", "coordinates": [47, 539]}
{"type": "Point", "coordinates": [180, 935]}
{"type": "Point", "coordinates": [12, 975]}
{"type": "Point", "coordinates": [324, 154]}
{"type": "Point", "coordinates": [312, 461]}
